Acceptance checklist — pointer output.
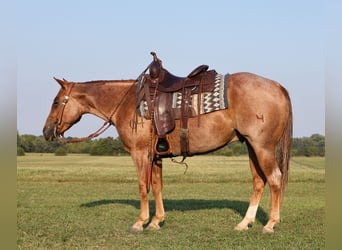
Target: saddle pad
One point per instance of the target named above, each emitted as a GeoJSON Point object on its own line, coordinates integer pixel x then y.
{"type": "Point", "coordinates": [210, 101]}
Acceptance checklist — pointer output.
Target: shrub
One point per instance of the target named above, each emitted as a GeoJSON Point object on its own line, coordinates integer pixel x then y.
{"type": "Point", "coordinates": [20, 151]}
{"type": "Point", "coordinates": [103, 146]}
{"type": "Point", "coordinates": [61, 151]}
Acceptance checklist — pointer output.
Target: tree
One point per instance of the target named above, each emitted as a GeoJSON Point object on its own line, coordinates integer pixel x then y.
{"type": "Point", "coordinates": [103, 146]}
{"type": "Point", "coordinates": [40, 144]}
{"type": "Point", "coordinates": [237, 149]}
{"type": "Point", "coordinates": [309, 146]}
{"type": "Point", "coordinates": [119, 147]}
{"type": "Point", "coordinates": [80, 148]}
{"type": "Point", "coordinates": [26, 143]}
{"type": "Point", "coordinates": [318, 142]}
{"type": "Point", "coordinates": [304, 146]}
{"type": "Point", "coordinates": [20, 151]}
{"type": "Point", "coordinates": [61, 151]}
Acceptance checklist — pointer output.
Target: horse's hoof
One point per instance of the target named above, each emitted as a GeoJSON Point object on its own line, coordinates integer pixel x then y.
{"type": "Point", "coordinates": [136, 228]}
{"type": "Point", "coordinates": [241, 227]}
{"type": "Point", "coordinates": [267, 230]}
{"type": "Point", "coordinates": [153, 227]}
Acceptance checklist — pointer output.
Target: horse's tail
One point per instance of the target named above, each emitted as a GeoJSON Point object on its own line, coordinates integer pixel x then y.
{"type": "Point", "coordinates": [283, 148]}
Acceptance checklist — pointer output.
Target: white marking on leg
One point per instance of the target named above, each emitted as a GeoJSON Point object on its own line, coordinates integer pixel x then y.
{"type": "Point", "coordinates": [249, 218]}
{"type": "Point", "coordinates": [251, 213]}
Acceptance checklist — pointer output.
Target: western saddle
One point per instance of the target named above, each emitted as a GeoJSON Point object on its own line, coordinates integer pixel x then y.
{"type": "Point", "coordinates": [157, 87]}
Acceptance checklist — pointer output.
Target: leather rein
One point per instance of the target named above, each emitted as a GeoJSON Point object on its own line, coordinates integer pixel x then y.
{"type": "Point", "coordinates": [102, 129]}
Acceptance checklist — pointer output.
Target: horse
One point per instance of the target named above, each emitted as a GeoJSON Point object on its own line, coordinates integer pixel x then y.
{"type": "Point", "coordinates": [259, 113]}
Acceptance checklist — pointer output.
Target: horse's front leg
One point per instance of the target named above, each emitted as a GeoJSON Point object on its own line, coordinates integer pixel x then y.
{"type": "Point", "coordinates": [141, 161]}
{"type": "Point", "coordinates": [157, 185]}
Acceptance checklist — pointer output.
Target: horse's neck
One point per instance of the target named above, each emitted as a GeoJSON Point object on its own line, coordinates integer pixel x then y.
{"type": "Point", "coordinates": [104, 98]}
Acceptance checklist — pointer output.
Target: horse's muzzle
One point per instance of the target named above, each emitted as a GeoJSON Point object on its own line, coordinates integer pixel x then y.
{"type": "Point", "coordinates": [50, 132]}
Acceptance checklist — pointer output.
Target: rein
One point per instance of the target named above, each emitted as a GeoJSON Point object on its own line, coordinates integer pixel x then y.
{"type": "Point", "coordinates": [102, 129]}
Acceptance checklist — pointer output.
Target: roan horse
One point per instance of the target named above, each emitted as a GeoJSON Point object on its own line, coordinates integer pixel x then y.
{"type": "Point", "coordinates": [259, 113]}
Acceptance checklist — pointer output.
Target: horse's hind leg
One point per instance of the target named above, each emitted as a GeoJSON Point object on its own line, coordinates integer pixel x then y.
{"type": "Point", "coordinates": [157, 185]}
{"type": "Point", "coordinates": [269, 166]}
{"type": "Point", "coordinates": [259, 181]}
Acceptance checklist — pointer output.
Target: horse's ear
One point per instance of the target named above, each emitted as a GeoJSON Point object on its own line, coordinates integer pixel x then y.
{"type": "Point", "coordinates": [61, 82]}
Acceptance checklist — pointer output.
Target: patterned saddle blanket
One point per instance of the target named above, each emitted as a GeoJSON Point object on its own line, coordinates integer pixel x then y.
{"type": "Point", "coordinates": [212, 101]}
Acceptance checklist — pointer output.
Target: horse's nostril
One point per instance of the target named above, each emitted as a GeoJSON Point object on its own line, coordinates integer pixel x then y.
{"type": "Point", "coordinates": [48, 132]}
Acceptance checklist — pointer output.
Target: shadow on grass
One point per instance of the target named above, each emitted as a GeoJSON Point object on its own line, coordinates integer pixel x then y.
{"type": "Point", "coordinates": [188, 205]}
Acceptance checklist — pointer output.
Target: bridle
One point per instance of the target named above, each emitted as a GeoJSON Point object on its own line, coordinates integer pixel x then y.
{"type": "Point", "coordinates": [102, 129]}
{"type": "Point", "coordinates": [64, 102]}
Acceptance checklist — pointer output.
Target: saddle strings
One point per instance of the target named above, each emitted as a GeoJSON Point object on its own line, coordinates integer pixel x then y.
{"type": "Point", "coordinates": [181, 162]}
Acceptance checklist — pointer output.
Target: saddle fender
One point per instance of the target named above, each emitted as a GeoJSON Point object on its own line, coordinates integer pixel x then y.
{"type": "Point", "coordinates": [164, 116]}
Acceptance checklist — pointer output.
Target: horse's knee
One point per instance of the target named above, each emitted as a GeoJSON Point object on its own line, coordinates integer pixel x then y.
{"type": "Point", "coordinates": [156, 183]}
{"type": "Point", "coordinates": [143, 190]}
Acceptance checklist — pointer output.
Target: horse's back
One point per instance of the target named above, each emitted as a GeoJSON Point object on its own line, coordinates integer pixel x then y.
{"type": "Point", "coordinates": [249, 83]}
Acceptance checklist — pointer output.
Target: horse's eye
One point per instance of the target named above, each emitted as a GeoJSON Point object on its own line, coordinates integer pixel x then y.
{"type": "Point", "coordinates": [55, 102]}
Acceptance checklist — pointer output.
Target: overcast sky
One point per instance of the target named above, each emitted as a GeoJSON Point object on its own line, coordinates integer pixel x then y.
{"type": "Point", "coordinates": [91, 40]}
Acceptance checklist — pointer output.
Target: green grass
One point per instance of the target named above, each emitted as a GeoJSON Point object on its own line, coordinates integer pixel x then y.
{"type": "Point", "coordinates": [89, 202]}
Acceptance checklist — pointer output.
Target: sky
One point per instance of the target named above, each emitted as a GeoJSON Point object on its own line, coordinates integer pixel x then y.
{"type": "Point", "coordinates": [92, 40]}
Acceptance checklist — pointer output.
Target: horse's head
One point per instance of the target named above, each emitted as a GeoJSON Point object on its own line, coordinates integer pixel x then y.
{"type": "Point", "coordinates": [65, 112]}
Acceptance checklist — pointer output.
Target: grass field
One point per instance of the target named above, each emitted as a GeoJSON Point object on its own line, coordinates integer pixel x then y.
{"type": "Point", "coordinates": [89, 202]}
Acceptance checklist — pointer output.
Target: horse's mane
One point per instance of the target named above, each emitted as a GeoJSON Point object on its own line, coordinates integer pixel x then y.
{"type": "Point", "coordinates": [106, 81]}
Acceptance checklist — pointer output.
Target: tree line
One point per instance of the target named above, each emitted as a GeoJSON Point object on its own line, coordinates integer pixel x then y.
{"type": "Point", "coordinates": [303, 146]}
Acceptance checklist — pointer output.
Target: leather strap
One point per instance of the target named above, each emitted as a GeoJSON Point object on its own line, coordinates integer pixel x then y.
{"type": "Point", "coordinates": [64, 102]}
{"type": "Point", "coordinates": [184, 132]}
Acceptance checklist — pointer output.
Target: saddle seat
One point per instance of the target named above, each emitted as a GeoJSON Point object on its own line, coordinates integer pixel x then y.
{"type": "Point", "coordinates": [171, 83]}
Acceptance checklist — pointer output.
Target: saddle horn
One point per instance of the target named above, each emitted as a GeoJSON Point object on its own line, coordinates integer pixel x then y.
{"type": "Point", "coordinates": [155, 66]}
{"type": "Point", "coordinates": [155, 58]}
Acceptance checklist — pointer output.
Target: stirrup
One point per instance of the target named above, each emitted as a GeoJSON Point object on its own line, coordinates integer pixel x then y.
{"type": "Point", "coordinates": [163, 146]}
